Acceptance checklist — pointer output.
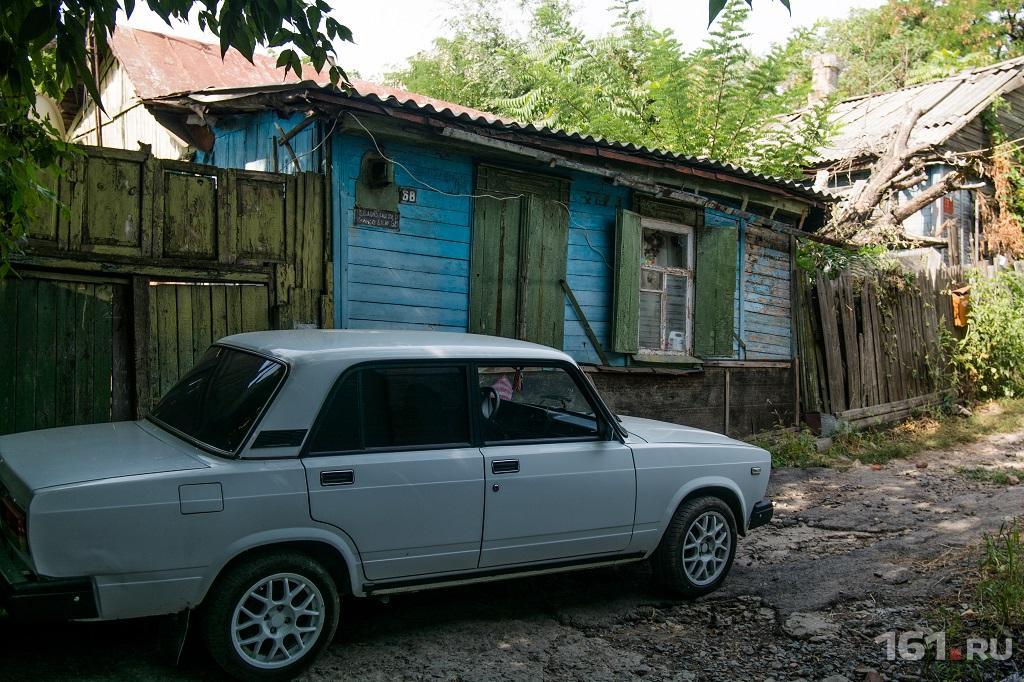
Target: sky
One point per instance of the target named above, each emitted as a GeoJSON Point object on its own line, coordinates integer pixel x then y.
{"type": "Point", "coordinates": [387, 32]}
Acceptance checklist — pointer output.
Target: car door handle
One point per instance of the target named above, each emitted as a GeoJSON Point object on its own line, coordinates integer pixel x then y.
{"type": "Point", "coordinates": [346, 477]}
{"type": "Point", "coordinates": [504, 466]}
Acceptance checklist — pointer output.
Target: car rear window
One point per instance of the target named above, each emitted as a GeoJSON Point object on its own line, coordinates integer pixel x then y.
{"type": "Point", "coordinates": [217, 403]}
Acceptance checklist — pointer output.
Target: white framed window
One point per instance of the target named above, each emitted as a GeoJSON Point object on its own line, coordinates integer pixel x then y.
{"type": "Point", "coordinates": [666, 287]}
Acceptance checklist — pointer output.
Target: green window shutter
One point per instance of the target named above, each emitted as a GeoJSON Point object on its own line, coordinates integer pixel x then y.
{"type": "Point", "coordinates": [494, 266]}
{"type": "Point", "coordinates": [628, 241]}
{"type": "Point", "coordinates": [543, 259]}
{"type": "Point", "coordinates": [715, 286]}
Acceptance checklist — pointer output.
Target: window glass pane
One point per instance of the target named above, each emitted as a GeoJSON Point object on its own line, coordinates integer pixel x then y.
{"type": "Point", "coordinates": [533, 403]}
{"type": "Point", "coordinates": [220, 399]}
{"type": "Point", "coordinates": [409, 406]}
{"type": "Point", "coordinates": [650, 279]}
{"type": "Point", "coordinates": [677, 290]}
{"type": "Point", "coordinates": [665, 249]}
{"type": "Point", "coordinates": [338, 428]}
{"type": "Point", "coordinates": [650, 320]}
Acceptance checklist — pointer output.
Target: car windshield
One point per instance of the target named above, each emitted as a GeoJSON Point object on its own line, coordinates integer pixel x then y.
{"type": "Point", "coordinates": [219, 400]}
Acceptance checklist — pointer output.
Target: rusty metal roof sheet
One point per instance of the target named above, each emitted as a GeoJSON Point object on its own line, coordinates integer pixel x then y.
{"type": "Point", "coordinates": [864, 123]}
{"type": "Point", "coordinates": [168, 69]}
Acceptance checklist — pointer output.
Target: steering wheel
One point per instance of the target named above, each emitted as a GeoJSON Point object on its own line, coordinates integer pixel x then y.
{"type": "Point", "coordinates": [490, 402]}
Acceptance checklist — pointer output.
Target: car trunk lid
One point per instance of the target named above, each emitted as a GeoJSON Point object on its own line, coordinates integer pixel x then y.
{"type": "Point", "coordinates": [75, 454]}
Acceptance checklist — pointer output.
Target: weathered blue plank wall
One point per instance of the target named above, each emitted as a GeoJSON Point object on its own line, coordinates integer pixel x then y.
{"type": "Point", "coordinates": [417, 277]}
{"type": "Point", "coordinates": [593, 204]}
{"type": "Point", "coordinates": [248, 142]}
{"type": "Point", "coordinates": [766, 310]}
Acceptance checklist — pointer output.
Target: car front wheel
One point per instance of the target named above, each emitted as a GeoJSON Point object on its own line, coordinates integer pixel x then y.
{"type": "Point", "coordinates": [269, 618]}
{"type": "Point", "coordinates": [698, 547]}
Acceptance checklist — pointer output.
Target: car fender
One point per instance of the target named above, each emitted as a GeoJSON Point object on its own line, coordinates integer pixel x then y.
{"type": "Point", "coordinates": [333, 537]}
{"type": "Point", "coordinates": [705, 482]}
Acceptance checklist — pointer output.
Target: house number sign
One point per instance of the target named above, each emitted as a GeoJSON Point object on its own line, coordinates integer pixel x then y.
{"type": "Point", "coordinates": [407, 195]}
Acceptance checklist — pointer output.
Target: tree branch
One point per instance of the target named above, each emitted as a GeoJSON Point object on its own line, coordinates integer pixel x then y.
{"type": "Point", "coordinates": [947, 184]}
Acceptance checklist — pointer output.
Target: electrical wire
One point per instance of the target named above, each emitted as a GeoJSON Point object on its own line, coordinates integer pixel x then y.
{"type": "Point", "coordinates": [565, 207]}
{"type": "Point", "coordinates": [421, 182]}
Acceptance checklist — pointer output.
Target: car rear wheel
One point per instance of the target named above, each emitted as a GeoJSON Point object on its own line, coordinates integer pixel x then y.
{"type": "Point", "coordinates": [269, 618]}
{"type": "Point", "coordinates": [698, 547]}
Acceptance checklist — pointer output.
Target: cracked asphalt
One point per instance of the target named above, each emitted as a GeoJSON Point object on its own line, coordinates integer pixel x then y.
{"type": "Point", "coordinates": [850, 556]}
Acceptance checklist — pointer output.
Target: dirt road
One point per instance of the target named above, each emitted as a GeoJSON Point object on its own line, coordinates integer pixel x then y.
{"type": "Point", "coordinates": [850, 556]}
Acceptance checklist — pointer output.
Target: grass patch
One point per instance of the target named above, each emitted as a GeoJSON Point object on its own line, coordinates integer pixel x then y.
{"type": "Point", "coordinates": [994, 600]}
{"type": "Point", "coordinates": [990, 475]}
{"type": "Point", "coordinates": [792, 449]}
{"type": "Point", "coordinates": [930, 431]}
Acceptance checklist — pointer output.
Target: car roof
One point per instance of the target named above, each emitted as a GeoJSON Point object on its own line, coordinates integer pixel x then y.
{"type": "Point", "coordinates": [351, 345]}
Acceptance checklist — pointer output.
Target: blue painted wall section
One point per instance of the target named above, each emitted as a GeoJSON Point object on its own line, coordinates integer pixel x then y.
{"type": "Point", "coordinates": [417, 277]}
{"type": "Point", "coordinates": [766, 310]}
{"type": "Point", "coordinates": [248, 142]}
{"type": "Point", "coordinates": [593, 204]}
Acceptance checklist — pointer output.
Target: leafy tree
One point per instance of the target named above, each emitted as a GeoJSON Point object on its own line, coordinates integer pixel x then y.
{"type": "Point", "coordinates": [715, 7]}
{"type": "Point", "coordinates": [634, 84]}
{"type": "Point", "coordinates": [46, 46]}
{"type": "Point", "coordinates": [909, 41]}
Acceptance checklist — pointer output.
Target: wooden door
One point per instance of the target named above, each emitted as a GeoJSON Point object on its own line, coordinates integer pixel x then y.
{"type": "Point", "coordinates": [65, 352]}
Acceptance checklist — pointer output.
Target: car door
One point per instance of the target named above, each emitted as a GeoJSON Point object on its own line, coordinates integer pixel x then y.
{"type": "Point", "coordinates": [557, 486]}
{"type": "Point", "coordinates": [391, 463]}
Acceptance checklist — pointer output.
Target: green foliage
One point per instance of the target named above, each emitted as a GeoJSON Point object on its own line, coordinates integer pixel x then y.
{"type": "Point", "coordinates": [1000, 591]}
{"type": "Point", "coordinates": [997, 476]}
{"type": "Point", "coordinates": [814, 257]}
{"type": "Point", "coordinates": [792, 449]}
{"type": "Point", "coordinates": [44, 48]}
{"type": "Point", "coordinates": [634, 84]}
{"type": "Point", "coordinates": [930, 430]}
{"type": "Point", "coordinates": [986, 362]}
{"type": "Point", "coordinates": [909, 41]}
{"type": "Point", "coordinates": [715, 7]}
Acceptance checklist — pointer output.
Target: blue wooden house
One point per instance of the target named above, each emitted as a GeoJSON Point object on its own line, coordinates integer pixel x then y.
{"type": "Point", "coordinates": [670, 277]}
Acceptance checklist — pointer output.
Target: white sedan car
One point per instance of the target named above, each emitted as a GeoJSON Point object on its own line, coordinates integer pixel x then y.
{"type": "Point", "coordinates": [289, 468]}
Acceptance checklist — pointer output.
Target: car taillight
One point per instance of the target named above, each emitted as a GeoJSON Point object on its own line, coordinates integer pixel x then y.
{"type": "Point", "coordinates": [13, 523]}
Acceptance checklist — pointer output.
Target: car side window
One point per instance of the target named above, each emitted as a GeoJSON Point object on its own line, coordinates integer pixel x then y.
{"type": "Point", "coordinates": [528, 403]}
{"type": "Point", "coordinates": [395, 407]}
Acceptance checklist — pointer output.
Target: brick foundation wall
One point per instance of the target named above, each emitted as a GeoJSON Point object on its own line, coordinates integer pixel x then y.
{"type": "Point", "coordinates": [760, 399]}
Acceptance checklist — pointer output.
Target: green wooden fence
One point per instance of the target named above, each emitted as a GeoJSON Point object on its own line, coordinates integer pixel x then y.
{"type": "Point", "coordinates": [149, 262]}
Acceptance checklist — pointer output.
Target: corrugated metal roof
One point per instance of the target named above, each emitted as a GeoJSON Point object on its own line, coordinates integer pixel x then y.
{"type": "Point", "coordinates": [164, 68]}
{"type": "Point", "coordinates": [864, 123]}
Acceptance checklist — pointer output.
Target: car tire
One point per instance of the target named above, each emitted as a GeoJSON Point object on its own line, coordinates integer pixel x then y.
{"type": "Point", "coordinates": [269, 618]}
{"type": "Point", "coordinates": [698, 547]}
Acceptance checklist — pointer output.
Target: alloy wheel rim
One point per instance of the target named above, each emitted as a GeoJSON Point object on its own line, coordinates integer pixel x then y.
{"type": "Point", "coordinates": [277, 620]}
{"type": "Point", "coordinates": [706, 548]}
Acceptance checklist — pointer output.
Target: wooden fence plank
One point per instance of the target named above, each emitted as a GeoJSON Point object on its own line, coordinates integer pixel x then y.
{"type": "Point", "coordinates": [848, 318]}
{"type": "Point", "coordinates": [25, 380]}
{"type": "Point", "coordinates": [834, 363]}
{"type": "Point", "coordinates": [66, 295]}
{"type": "Point", "coordinates": [85, 311]}
{"type": "Point", "coordinates": [9, 358]}
{"type": "Point", "coordinates": [102, 368]}
{"type": "Point", "coordinates": [202, 319]}
{"type": "Point", "coordinates": [46, 358]}
{"type": "Point", "coordinates": [166, 338]}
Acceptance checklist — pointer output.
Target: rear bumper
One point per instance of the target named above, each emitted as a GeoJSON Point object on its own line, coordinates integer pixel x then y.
{"type": "Point", "coordinates": [27, 597]}
{"type": "Point", "coordinates": [761, 514]}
